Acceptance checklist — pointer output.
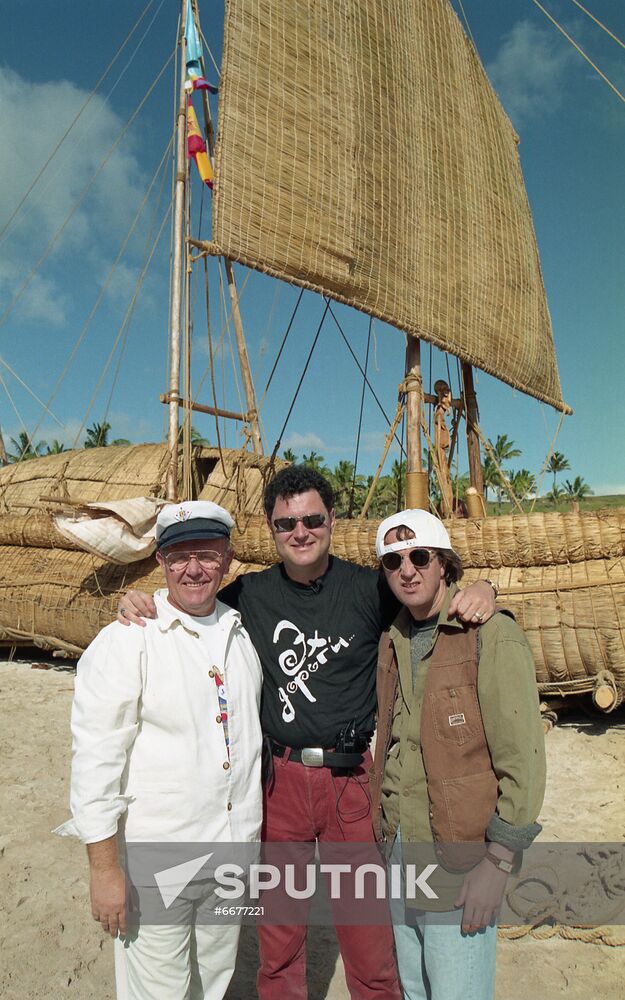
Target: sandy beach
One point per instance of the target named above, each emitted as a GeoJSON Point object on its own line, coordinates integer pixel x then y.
{"type": "Point", "coordinates": [51, 948]}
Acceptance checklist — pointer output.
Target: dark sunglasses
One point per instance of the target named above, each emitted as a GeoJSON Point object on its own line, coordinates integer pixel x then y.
{"type": "Point", "coordinates": [418, 557]}
{"type": "Point", "coordinates": [285, 524]}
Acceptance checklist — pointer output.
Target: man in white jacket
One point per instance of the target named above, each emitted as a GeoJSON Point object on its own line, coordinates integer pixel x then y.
{"type": "Point", "coordinates": [167, 747]}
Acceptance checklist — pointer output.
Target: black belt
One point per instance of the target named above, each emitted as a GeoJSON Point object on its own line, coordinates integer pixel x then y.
{"type": "Point", "coordinates": [317, 756]}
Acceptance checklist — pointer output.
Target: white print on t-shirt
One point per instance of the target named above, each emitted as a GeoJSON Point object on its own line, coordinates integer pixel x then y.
{"type": "Point", "coordinates": [304, 658]}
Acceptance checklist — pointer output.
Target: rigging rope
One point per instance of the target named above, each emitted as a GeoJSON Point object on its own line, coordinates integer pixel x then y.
{"type": "Point", "coordinates": [468, 26]}
{"type": "Point", "coordinates": [580, 50]}
{"type": "Point", "coordinates": [17, 413]}
{"type": "Point", "coordinates": [79, 201]}
{"type": "Point", "coordinates": [359, 366]}
{"type": "Point", "coordinates": [211, 361]}
{"type": "Point", "coordinates": [284, 340]}
{"type": "Point", "coordinates": [104, 289]}
{"type": "Point", "coordinates": [545, 467]}
{"type": "Point", "coordinates": [30, 391]}
{"type": "Point", "coordinates": [597, 21]}
{"type": "Point", "coordinates": [125, 322]}
{"type": "Point", "coordinates": [83, 108]}
{"type": "Point", "coordinates": [350, 510]}
{"type": "Point", "coordinates": [299, 384]}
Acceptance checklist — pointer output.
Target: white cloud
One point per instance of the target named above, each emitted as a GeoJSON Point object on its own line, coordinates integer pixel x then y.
{"type": "Point", "coordinates": [35, 116]}
{"type": "Point", "coordinates": [529, 70]}
{"type": "Point", "coordinates": [41, 300]}
{"type": "Point", "coordinates": [295, 440]}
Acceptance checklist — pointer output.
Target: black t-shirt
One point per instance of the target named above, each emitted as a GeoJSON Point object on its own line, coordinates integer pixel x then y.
{"type": "Point", "coordinates": [318, 647]}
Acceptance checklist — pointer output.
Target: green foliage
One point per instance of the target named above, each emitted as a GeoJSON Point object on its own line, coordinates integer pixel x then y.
{"type": "Point", "coordinates": [23, 448]}
{"type": "Point", "coordinates": [315, 461]}
{"type": "Point", "coordinates": [55, 448]}
{"type": "Point", "coordinates": [557, 463]}
{"type": "Point", "coordinates": [523, 483]}
{"type": "Point", "coordinates": [97, 435]}
{"type": "Point", "coordinates": [289, 456]}
{"type": "Point", "coordinates": [578, 489]}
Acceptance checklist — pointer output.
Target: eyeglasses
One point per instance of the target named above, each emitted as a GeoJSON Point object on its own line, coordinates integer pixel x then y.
{"type": "Point", "coordinates": [418, 557]}
{"type": "Point", "coordinates": [285, 524]}
{"type": "Point", "coordinates": [206, 558]}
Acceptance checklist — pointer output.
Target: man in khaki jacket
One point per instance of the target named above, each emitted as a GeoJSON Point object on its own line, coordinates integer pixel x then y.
{"type": "Point", "coordinates": [459, 761]}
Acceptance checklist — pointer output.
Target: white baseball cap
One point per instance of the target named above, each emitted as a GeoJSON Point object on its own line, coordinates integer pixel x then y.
{"type": "Point", "coordinates": [429, 532]}
{"type": "Point", "coordinates": [193, 519]}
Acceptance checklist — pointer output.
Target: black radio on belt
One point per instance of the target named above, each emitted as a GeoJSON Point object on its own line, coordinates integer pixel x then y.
{"type": "Point", "coordinates": [352, 739]}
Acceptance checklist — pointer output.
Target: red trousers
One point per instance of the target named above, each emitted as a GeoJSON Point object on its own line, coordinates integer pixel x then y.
{"type": "Point", "coordinates": [305, 804]}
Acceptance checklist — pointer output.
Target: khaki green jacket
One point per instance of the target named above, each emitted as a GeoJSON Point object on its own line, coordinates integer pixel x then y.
{"type": "Point", "coordinates": [508, 701]}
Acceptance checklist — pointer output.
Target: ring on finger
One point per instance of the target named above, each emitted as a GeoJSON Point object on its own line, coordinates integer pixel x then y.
{"type": "Point", "coordinates": [122, 612]}
{"type": "Point", "coordinates": [478, 615]}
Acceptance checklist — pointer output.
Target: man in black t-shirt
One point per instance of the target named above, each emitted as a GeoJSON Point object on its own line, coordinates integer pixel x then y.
{"type": "Point", "coordinates": [315, 621]}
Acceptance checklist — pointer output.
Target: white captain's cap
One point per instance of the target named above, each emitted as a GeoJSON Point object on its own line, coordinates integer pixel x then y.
{"type": "Point", "coordinates": [429, 532]}
{"type": "Point", "coordinates": [193, 519]}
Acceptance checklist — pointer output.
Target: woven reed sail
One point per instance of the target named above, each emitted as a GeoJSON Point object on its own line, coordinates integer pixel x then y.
{"type": "Point", "coordinates": [362, 152]}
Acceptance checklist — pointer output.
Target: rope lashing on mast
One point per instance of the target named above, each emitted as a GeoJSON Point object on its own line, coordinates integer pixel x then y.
{"type": "Point", "coordinates": [580, 50]}
{"type": "Point", "coordinates": [362, 403]}
{"type": "Point", "coordinates": [299, 384]}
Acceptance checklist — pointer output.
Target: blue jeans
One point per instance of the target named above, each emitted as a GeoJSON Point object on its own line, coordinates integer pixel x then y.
{"type": "Point", "coordinates": [436, 961]}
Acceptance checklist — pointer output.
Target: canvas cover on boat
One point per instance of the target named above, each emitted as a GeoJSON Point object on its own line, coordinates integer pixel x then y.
{"type": "Point", "coordinates": [363, 153]}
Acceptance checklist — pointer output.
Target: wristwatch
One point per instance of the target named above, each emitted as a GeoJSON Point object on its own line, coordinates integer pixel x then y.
{"type": "Point", "coordinates": [494, 586]}
{"type": "Point", "coordinates": [503, 866]}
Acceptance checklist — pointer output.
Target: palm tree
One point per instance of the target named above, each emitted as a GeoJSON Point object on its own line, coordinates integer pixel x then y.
{"type": "Point", "coordinates": [97, 435]}
{"type": "Point", "coordinates": [523, 483]}
{"type": "Point", "coordinates": [289, 456]}
{"type": "Point", "coordinates": [554, 496]}
{"type": "Point", "coordinates": [490, 476]}
{"type": "Point", "coordinates": [314, 461]}
{"type": "Point", "coordinates": [398, 477]}
{"type": "Point", "coordinates": [503, 450]}
{"type": "Point", "coordinates": [121, 441]}
{"type": "Point", "coordinates": [23, 448]}
{"type": "Point", "coordinates": [557, 463]}
{"type": "Point", "coordinates": [55, 448]}
{"type": "Point", "coordinates": [578, 489]}
{"type": "Point", "coordinates": [348, 491]}
{"type": "Point", "coordinates": [197, 439]}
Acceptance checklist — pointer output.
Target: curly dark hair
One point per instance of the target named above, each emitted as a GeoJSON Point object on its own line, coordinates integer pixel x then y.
{"type": "Point", "coordinates": [294, 480]}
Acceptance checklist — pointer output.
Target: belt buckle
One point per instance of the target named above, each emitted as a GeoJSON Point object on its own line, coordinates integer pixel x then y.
{"type": "Point", "coordinates": [312, 756]}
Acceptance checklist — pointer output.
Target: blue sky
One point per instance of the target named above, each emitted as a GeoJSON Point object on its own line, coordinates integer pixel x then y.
{"type": "Point", "coordinates": [572, 132]}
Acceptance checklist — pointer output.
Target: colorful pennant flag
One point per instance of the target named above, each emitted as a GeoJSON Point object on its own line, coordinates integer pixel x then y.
{"type": "Point", "coordinates": [196, 147]}
{"type": "Point", "coordinates": [194, 51]}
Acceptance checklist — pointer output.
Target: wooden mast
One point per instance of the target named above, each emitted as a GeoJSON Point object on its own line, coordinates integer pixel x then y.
{"type": "Point", "coordinates": [416, 478]}
{"type": "Point", "coordinates": [475, 497]}
{"type": "Point", "coordinates": [244, 361]}
{"type": "Point", "coordinates": [177, 266]}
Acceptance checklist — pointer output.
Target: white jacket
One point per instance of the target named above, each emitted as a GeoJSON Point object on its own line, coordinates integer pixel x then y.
{"type": "Point", "coordinates": [148, 738]}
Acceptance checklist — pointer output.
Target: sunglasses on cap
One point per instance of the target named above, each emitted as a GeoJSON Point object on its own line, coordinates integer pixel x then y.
{"type": "Point", "coordinates": [285, 524]}
{"type": "Point", "coordinates": [418, 557]}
